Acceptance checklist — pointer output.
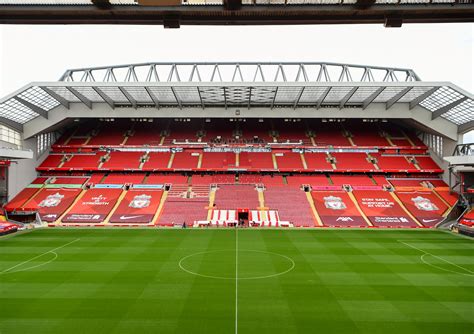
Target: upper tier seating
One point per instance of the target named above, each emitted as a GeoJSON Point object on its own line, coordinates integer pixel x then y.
{"type": "Point", "coordinates": [218, 161]}
{"type": "Point", "coordinates": [122, 161]}
{"type": "Point", "coordinates": [256, 161]}
{"type": "Point", "coordinates": [291, 204]}
{"type": "Point", "coordinates": [317, 161]}
{"type": "Point", "coordinates": [110, 135]}
{"type": "Point", "coordinates": [331, 135]}
{"type": "Point", "coordinates": [352, 162]}
{"type": "Point", "coordinates": [367, 136]}
{"type": "Point", "coordinates": [51, 161]}
{"type": "Point", "coordinates": [427, 163]}
{"type": "Point", "coordinates": [390, 163]}
{"type": "Point", "coordinates": [185, 160]}
{"type": "Point", "coordinates": [84, 161]}
{"type": "Point", "coordinates": [288, 161]}
{"type": "Point", "coordinates": [236, 196]}
{"type": "Point", "coordinates": [145, 134]}
{"type": "Point", "coordinates": [157, 161]}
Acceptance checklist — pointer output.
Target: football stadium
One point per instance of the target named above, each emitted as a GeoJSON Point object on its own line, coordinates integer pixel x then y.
{"type": "Point", "coordinates": [214, 196]}
{"type": "Point", "coordinates": [238, 197]}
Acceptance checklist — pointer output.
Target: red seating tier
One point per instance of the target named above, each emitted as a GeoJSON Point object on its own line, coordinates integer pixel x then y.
{"type": "Point", "coordinates": [291, 204]}
{"type": "Point", "coordinates": [236, 196]}
{"type": "Point", "coordinates": [157, 161]}
{"type": "Point", "coordinates": [352, 162]}
{"type": "Point", "coordinates": [185, 160]}
{"type": "Point", "coordinates": [288, 161]}
{"type": "Point", "coordinates": [123, 161]}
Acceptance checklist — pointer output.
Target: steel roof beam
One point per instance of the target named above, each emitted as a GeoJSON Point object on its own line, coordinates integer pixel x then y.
{"type": "Point", "coordinates": [439, 112]}
{"type": "Point", "coordinates": [347, 97]}
{"type": "Point", "coordinates": [35, 108]}
{"type": "Point", "coordinates": [57, 97]}
{"type": "Point", "coordinates": [81, 97]}
{"type": "Point", "coordinates": [104, 96]}
{"type": "Point", "coordinates": [372, 97]}
{"type": "Point", "coordinates": [299, 97]}
{"type": "Point", "coordinates": [323, 96]}
{"type": "Point", "coordinates": [129, 97]}
{"type": "Point", "coordinates": [176, 97]}
{"type": "Point", "coordinates": [466, 127]}
{"type": "Point", "coordinates": [397, 97]}
{"type": "Point", "coordinates": [152, 97]}
{"type": "Point", "coordinates": [423, 96]}
{"type": "Point", "coordinates": [11, 124]}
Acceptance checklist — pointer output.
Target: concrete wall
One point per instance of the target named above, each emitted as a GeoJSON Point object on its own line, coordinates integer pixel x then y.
{"type": "Point", "coordinates": [22, 172]}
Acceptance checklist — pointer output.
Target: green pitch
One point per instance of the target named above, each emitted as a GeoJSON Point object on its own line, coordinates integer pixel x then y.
{"type": "Point", "coordinates": [228, 281]}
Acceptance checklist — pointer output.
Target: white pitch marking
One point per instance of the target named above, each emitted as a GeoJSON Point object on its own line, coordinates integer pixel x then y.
{"type": "Point", "coordinates": [428, 253]}
{"type": "Point", "coordinates": [236, 279]}
{"type": "Point", "coordinates": [37, 256]}
{"type": "Point", "coordinates": [183, 268]}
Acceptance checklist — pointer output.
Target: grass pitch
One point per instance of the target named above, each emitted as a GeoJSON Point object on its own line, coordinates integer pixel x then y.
{"type": "Point", "coordinates": [228, 281]}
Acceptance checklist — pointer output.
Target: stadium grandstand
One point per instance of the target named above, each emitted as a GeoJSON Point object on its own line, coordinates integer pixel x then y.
{"type": "Point", "coordinates": [174, 13]}
{"type": "Point", "coordinates": [218, 144]}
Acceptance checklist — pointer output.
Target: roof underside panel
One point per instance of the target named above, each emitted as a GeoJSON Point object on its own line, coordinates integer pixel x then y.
{"type": "Point", "coordinates": [442, 99]}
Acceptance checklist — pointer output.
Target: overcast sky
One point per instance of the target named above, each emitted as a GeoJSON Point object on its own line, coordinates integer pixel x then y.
{"type": "Point", "coordinates": [437, 52]}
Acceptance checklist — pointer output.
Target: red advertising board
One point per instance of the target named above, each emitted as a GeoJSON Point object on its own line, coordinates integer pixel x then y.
{"type": "Point", "coordinates": [335, 208]}
{"type": "Point", "coordinates": [94, 206]}
{"type": "Point", "coordinates": [381, 209]}
{"type": "Point", "coordinates": [424, 205]}
{"type": "Point", "coordinates": [138, 207]}
{"type": "Point", "coordinates": [52, 203]}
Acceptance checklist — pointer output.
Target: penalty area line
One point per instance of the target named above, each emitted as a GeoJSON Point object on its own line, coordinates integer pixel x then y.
{"type": "Point", "coordinates": [471, 273]}
{"type": "Point", "coordinates": [38, 256]}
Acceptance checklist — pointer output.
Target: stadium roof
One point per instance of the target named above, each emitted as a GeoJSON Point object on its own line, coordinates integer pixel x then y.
{"type": "Point", "coordinates": [297, 86]}
{"type": "Point", "coordinates": [173, 13]}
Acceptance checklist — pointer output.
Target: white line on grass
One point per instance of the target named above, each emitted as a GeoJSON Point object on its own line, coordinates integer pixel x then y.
{"type": "Point", "coordinates": [236, 279]}
{"type": "Point", "coordinates": [471, 273]}
{"type": "Point", "coordinates": [38, 256]}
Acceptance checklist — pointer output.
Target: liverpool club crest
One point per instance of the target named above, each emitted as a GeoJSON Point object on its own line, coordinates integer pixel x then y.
{"type": "Point", "coordinates": [140, 201]}
{"type": "Point", "coordinates": [334, 203]}
{"type": "Point", "coordinates": [424, 204]}
{"type": "Point", "coordinates": [51, 201]}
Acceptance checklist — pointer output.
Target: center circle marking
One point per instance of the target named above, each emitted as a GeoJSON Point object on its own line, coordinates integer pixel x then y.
{"type": "Point", "coordinates": [291, 264]}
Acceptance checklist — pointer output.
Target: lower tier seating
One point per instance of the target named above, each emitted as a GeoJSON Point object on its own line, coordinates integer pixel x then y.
{"type": "Point", "coordinates": [177, 211]}
{"type": "Point", "coordinates": [291, 204]}
{"type": "Point", "coordinates": [236, 196]}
